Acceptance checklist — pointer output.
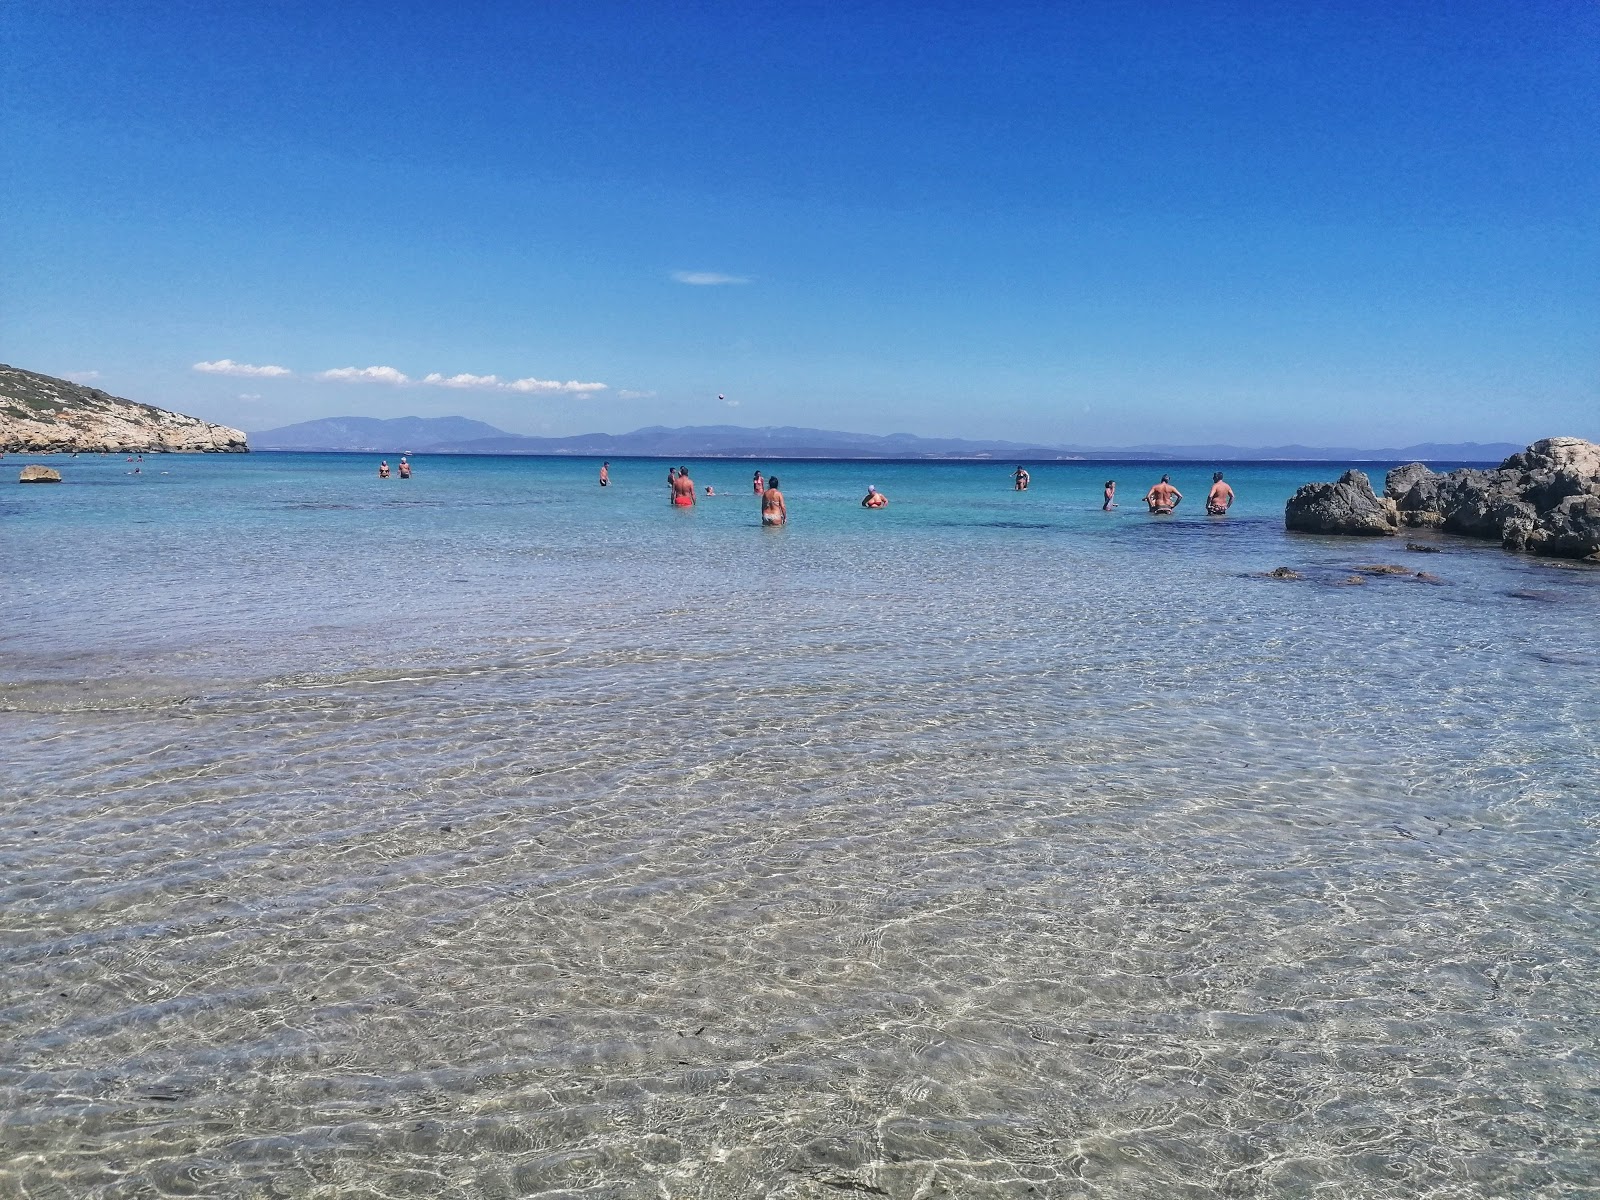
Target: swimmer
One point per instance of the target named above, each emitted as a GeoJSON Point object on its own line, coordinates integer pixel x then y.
{"type": "Point", "coordinates": [710, 491]}
{"type": "Point", "coordinates": [405, 468]}
{"type": "Point", "coordinates": [1221, 497]}
{"type": "Point", "coordinates": [1111, 496]}
{"type": "Point", "coordinates": [773, 510]}
{"type": "Point", "coordinates": [874, 498]}
{"type": "Point", "coordinates": [1163, 498]}
{"type": "Point", "coordinates": [682, 488]}
{"type": "Point", "coordinates": [760, 486]}
{"type": "Point", "coordinates": [605, 474]}
{"type": "Point", "coordinates": [1022, 478]}
{"type": "Point", "coordinates": [383, 469]}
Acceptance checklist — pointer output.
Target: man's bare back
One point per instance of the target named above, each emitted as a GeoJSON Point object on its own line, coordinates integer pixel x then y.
{"type": "Point", "coordinates": [1221, 497]}
{"type": "Point", "coordinates": [1163, 498]}
{"type": "Point", "coordinates": [682, 488]}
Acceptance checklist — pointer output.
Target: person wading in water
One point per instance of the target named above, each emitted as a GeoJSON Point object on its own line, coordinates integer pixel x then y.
{"type": "Point", "coordinates": [773, 510]}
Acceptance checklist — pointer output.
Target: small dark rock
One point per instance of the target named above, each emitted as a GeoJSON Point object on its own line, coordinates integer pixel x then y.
{"type": "Point", "coordinates": [1419, 548]}
{"type": "Point", "coordinates": [1283, 573]}
{"type": "Point", "coordinates": [1383, 569]}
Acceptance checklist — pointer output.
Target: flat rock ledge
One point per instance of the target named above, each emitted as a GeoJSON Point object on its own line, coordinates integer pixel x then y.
{"type": "Point", "coordinates": [39, 475]}
{"type": "Point", "coordinates": [1349, 507]}
{"type": "Point", "coordinates": [1544, 500]}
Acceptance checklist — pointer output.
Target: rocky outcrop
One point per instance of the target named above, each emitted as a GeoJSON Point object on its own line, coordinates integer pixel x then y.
{"type": "Point", "coordinates": [1415, 490]}
{"type": "Point", "coordinates": [1543, 500]}
{"type": "Point", "coordinates": [39, 475]}
{"type": "Point", "coordinates": [40, 414]}
{"type": "Point", "coordinates": [1348, 507]}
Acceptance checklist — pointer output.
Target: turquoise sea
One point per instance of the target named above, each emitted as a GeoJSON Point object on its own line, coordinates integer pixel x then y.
{"type": "Point", "coordinates": [492, 834]}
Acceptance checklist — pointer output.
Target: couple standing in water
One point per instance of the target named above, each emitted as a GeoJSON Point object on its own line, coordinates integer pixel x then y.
{"type": "Point", "coordinates": [1163, 497]}
{"type": "Point", "coordinates": [774, 511]}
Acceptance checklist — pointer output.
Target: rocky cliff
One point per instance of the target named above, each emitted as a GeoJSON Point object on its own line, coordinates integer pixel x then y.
{"type": "Point", "coordinates": [42, 414]}
{"type": "Point", "coordinates": [1545, 500]}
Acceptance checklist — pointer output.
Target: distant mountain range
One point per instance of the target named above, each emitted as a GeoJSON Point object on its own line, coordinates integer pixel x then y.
{"type": "Point", "coordinates": [458, 435]}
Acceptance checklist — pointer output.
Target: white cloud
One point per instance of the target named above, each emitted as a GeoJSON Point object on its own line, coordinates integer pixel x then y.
{"type": "Point", "coordinates": [488, 383]}
{"type": "Point", "coordinates": [462, 381]}
{"type": "Point", "coordinates": [249, 395]}
{"type": "Point", "coordinates": [493, 383]}
{"type": "Point", "coordinates": [365, 375]}
{"type": "Point", "coordinates": [630, 394]}
{"type": "Point", "coordinates": [707, 278]}
{"type": "Point", "coordinates": [551, 385]}
{"type": "Point", "coordinates": [226, 366]}
{"type": "Point", "coordinates": [732, 403]}
{"type": "Point", "coordinates": [81, 376]}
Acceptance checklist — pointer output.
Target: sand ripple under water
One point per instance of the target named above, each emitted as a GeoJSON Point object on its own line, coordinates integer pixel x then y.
{"type": "Point", "coordinates": [933, 865]}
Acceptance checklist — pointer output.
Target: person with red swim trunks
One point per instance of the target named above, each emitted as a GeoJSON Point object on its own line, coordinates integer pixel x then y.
{"type": "Point", "coordinates": [682, 488]}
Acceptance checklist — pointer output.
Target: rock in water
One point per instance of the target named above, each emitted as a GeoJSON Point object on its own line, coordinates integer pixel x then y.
{"type": "Point", "coordinates": [1545, 499]}
{"type": "Point", "coordinates": [1348, 507]}
{"type": "Point", "coordinates": [40, 414]}
{"type": "Point", "coordinates": [1415, 490]}
{"type": "Point", "coordinates": [39, 475]}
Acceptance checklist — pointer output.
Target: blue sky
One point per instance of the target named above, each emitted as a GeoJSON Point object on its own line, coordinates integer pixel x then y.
{"type": "Point", "coordinates": [1090, 223]}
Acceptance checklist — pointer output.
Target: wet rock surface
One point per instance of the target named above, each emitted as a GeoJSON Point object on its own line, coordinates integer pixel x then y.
{"type": "Point", "coordinates": [1543, 500]}
{"type": "Point", "coordinates": [1349, 507]}
{"type": "Point", "coordinates": [39, 475]}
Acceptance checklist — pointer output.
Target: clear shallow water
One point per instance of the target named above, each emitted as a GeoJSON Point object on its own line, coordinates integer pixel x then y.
{"type": "Point", "coordinates": [489, 834]}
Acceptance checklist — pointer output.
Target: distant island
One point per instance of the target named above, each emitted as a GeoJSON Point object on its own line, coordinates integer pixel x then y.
{"type": "Point", "coordinates": [459, 435]}
{"type": "Point", "coordinates": [41, 414]}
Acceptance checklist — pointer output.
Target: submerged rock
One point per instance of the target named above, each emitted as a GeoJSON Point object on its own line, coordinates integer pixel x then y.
{"type": "Point", "coordinates": [1283, 573]}
{"type": "Point", "coordinates": [1418, 547]}
{"type": "Point", "coordinates": [1383, 569]}
{"type": "Point", "coordinates": [1348, 507]}
{"type": "Point", "coordinates": [39, 475]}
{"type": "Point", "coordinates": [1543, 500]}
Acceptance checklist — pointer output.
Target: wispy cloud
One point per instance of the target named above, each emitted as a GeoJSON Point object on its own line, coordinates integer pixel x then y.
{"type": "Point", "coordinates": [82, 376]}
{"type": "Point", "coordinates": [249, 395]}
{"type": "Point", "coordinates": [551, 385]}
{"type": "Point", "coordinates": [462, 381]}
{"type": "Point", "coordinates": [397, 377]}
{"type": "Point", "coordinates": [707, 278]}
{"type": "Point", "coordinates": [493, 383]}
{"type": "Point", "coordinates": [365, 375]}
{"type": "Point", "coordinates": [226, 366]}
{"type": "Point", "coordinates": [630, 394]}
